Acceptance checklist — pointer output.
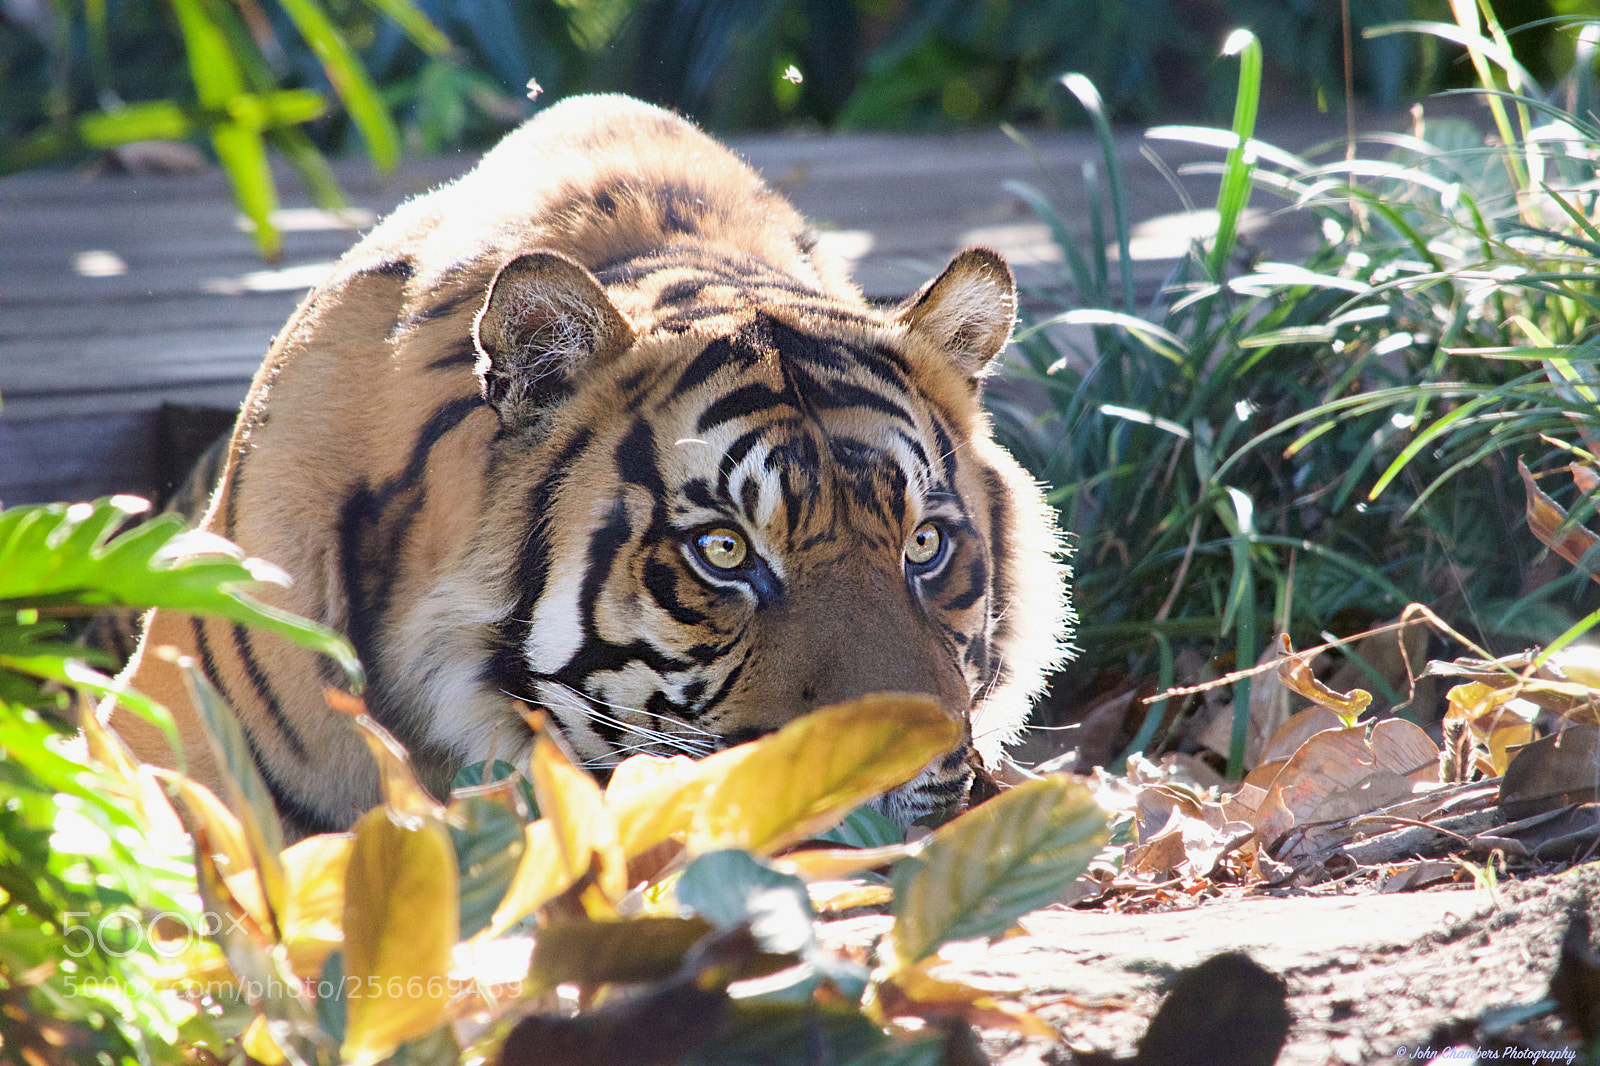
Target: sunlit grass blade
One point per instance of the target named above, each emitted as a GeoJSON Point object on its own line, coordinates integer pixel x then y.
{"type": "Point", "coordinates": [1161, 340]}
{"type": "Point", "coordinates": [1088, 96]}
{"type": "Point", "coordinates": [1234, 193]}
{"type": "Point", "coordinates": [350, 80]}
{"type": "Point", "coordinates": [415, 24]}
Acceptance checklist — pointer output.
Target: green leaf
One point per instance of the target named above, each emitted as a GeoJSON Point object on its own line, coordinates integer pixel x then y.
{"type": "Point", "coordinates": [56, 556]}
{"type": "Point", "coordinates": [731, 888]}
{"type": "Point", "coordinates": [245, 791]}
{"type": "Point", "coordinates": [415, 25]}
{"type": "Point", "coordinates": [980, 873]}
{"type": "Point", "coordinates": [483, 773]}
{"type": "Point", "coordinates": [332, 1006]}
{"type": "Point", "coordinates": [798, 1035]}
{"type": "Point", "coordinates": [864, 827]}
{"type": "Point", "coordinates": [489, 834]}
{"type": "Point", "coordinates": [350, 80]}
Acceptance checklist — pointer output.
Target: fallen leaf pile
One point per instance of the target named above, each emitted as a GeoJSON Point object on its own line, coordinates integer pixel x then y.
{"type": "Point", "coordinates": [1330, 795]}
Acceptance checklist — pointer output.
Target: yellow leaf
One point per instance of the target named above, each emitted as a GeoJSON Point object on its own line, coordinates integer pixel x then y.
{"type": "Point", "coordinates": [1294, 670]}
{"type": "Point", "coordinates": [649, 808]}
{"type": "Point", "coordinates": [117, 762]}
{"type": "Point", "coordinates": [843, 895]}
{"type": "Point", "coordinates": [400, 924]}
{"type": "Point", "coordinates": [584, 828]}
{"type": "Point", "coordinates": [402, 792]}
{"type": "Point", "coordinates": [541, 876]}
{"type": "Point", "coordinates": [637, 770]}
{"type": "Point", "coordinates": [259, 1044]}
{"type": "Point", "coordinates": [223, 831]}
{"type": "Point", "coordinates": [913, 992]}
{"type": "Point", "coordinates": [828, 864]}
{"type": "Point", "coordinates": [811, 773]}
{"type": "Point", "coordinates": [1493, 724]}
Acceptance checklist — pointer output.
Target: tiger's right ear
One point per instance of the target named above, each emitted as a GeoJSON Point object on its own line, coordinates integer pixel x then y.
{"type": "Point", "coordinates": [545, 320]}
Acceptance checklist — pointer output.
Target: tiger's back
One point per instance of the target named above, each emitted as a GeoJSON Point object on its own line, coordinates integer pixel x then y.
{"type": "Point", "coordinates": [599, 428]}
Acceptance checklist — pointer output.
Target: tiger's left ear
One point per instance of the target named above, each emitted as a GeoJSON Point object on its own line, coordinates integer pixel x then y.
{"type": "Point", "coordinates": [968, 310]}
{"type": "Point", "coordinates": [545, 320]}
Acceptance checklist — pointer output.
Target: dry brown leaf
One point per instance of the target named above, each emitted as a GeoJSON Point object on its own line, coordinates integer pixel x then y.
{"type": "Point", "coordinates": [1294, 670]}
{"type": "Point", "coordinates": [1548, 521]}
{"type": "Point", "coordinates": [1552, 772]}
{"type": "Point", "coordinates": [1410, 876]}
{"type": "Point", "coordinates": [1245, 801]}
{"type": "Point", "coordinates": [1297, 730]}
{"type": "Point", "coordinates": [1340, 773]}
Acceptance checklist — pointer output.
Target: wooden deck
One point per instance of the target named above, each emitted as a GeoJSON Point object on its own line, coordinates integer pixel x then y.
{"type": "Point", "coordinates": [120, 294]}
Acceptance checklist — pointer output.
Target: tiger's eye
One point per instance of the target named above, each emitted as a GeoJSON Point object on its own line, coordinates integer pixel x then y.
{"type": "Point", "coordinates": [723, 548]}
{"type": "Point", "coordinates": [923, 547]}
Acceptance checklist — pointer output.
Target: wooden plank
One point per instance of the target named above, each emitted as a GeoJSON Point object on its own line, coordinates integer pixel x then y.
{"type": "Point", "coordinates": [181, 307]}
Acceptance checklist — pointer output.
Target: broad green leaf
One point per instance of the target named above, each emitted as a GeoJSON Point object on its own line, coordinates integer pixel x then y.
{"type": "Point", "coordinates": [487, 831]}
{"type": "Point", "coordinates": [788, 1034]}
{"type": "Point", "coordinates": [732, 888]}
{"type": "Point", "coordinates": [981, 872]}
{"type": "Point", "coordinates": [482, 773]}
{"type": "Point", "coordinates": [805, 777]}
{"type": "Point", "coordinates": [400, 924]}
{"type": "Point", "coordinates": [650, 948]}
{"type": "Point", "coordinates": [864, 827]}
{"type": "Point", "coordinates": [332, 1005]}
{"type": "Point", "coordinates": [63, 556]}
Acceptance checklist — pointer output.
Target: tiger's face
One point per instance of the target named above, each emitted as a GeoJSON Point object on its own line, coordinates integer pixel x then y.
{"type": "Point", "coordinates": [728, 531]}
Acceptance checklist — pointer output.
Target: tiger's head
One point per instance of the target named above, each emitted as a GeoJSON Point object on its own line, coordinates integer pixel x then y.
{"type": "Point", "coordinates": [702, 531]}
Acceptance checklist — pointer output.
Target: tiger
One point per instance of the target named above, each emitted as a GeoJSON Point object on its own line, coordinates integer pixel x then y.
{"type": "Point", "coordinates": [598, 428]}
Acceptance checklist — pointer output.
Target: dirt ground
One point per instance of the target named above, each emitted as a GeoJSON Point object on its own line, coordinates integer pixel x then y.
{"type": "Point", "coordinates": [1371, 978]}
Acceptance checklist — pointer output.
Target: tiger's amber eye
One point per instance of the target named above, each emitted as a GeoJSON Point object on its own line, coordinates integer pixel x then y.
{"type": "Point", "coordinates": [723, 548]}
{"type": "Point", "coordinates": [923, 547]}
